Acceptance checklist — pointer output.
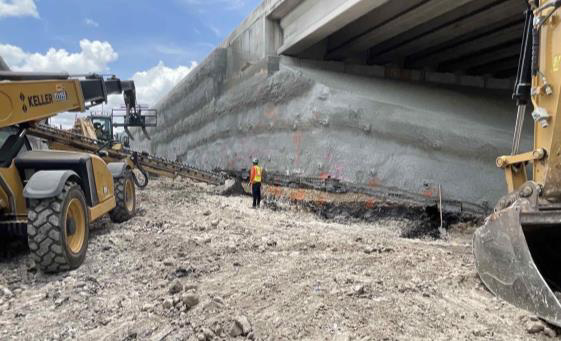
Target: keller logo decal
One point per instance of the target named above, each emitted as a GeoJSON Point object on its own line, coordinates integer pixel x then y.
{"type": "Point", "coordinates": [40, 100]}
{"type": "Point", "coordinates": [60, 96]}
{"type": "Point", "coordinates": [22, 98]}
{"type": "Point", "coordinates": [46, 99]}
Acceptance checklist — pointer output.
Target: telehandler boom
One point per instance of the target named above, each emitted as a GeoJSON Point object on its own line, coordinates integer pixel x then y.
{"type": "Point", "coordinates": [517, 250]}
{"type": "Point", "coordinates": [50, 197]}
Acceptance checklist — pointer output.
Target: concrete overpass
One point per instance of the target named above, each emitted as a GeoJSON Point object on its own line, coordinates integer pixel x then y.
{"type": "Point", "coordinates": [437, 35]}
{"type": "Point", "coordinates": [463, 37]}
{"type": "Point", "coordinates": [405, 94]}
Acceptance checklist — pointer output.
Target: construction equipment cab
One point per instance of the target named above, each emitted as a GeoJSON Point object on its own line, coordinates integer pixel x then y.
{"type": "Point", "coordinates": [103, 127]}
{"type": "Point", "coordinates": [51, 197]}
{"type": "Point", "coordinates": [106, 126]}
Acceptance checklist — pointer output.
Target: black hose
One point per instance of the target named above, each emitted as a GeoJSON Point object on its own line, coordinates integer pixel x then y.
{"type": "Point", "coordinates": [136, 161]}
{"type": "Point", "coordinates": [536, 34]}
{"type": "Point", "coordinates": [523, 84]}
{"type": "Point", "coordinates": [535, 51]}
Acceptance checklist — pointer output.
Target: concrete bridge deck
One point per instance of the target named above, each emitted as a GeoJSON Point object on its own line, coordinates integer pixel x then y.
{"type": "Point", "coordinates": [471, 37]}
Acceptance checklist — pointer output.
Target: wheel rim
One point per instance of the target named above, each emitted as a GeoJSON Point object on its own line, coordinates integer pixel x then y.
{"type": "Point", "coordinates": [75, 217]}
{"type": "Point", "coordinates": [129, 195]}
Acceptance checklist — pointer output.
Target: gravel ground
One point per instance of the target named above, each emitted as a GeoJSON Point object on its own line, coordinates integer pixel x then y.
{"type": "Point", "coordinates": [194, 265]}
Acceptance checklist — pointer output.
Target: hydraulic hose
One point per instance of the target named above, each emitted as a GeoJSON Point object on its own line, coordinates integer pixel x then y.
{"type": "Point", "coordinates": [136, 161]}
{"type": "Point", "coordinates": [535, 51]}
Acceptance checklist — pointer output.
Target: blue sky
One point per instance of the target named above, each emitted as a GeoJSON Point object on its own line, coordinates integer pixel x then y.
{"type": "Point", "coordinates": [155, 43]}
{"type": "Point", "coordinates": [141, 32]}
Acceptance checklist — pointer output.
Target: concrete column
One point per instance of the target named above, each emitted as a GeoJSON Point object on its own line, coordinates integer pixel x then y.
{"type": "Point", "coordinates": [273, 36]}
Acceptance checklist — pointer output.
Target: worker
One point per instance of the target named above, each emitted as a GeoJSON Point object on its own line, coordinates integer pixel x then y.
{"type": "Point", "coordinates": [98, 131]}
{"type": "Point", "coordinates": [255, 182]}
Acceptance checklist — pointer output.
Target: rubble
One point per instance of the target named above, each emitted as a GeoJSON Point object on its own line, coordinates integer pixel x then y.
{"type": "Point", "coordinates": [282, 274]}
{"type": "Point", "coordinates": [176, 287]}
{"type": "Point", "coordinates": [190, 300]}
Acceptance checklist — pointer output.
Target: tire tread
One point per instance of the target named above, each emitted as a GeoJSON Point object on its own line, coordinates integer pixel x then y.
{"type": "Point", "coordinates": [120, 213]}
{"type": "Point", "coordinates": [45, 238]}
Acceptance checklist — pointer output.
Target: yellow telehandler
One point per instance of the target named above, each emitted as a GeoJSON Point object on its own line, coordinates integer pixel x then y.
{"type": "Point", "coordinates": [51, 197]}
{"type": "Point", "coordinates": [518, 249]}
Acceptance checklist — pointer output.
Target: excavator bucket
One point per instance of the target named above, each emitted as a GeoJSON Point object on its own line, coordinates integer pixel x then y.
{"type": "Point", "coordinates": [517, 253]}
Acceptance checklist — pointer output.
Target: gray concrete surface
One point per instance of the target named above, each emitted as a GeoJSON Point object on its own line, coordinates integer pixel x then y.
{"type": "Point", "coordinates": [414, 34]}
{"type": "Point", "coordinates": [309, 121]}
{"type": "Point", "coordinates": [381, 125]}
{"type": "Point", "coordinates": [3, 65]}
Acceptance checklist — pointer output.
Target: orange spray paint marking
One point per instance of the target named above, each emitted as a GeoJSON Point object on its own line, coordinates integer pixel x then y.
{"type": "Point", "coordinates": [275, 191]}
{"type": "Point", "coordinates": [271, 111]}
{"type": "Point", "coordinates": [297, 141]}
{"type": "Point", "coordinates": [324, 175]}
{"type": "Point", "coordinates": [317, 115]}
{"type": "Point", "coordinates": [322, 199]}
{"type": "Point", "coordinates": [298, 195]}
{"type": "Point", "coordinates": [370, 203]}
{"type": "Point", "coordinates": [374, 182]}
{"type": "Point", "coordinates": [427, 194]}
{"type": "Point", "coordinates": [338, 171]}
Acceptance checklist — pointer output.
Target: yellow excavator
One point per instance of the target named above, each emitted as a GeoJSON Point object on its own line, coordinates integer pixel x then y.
{"type": "Point", "coordinates": [51, 197]}
{"type": "Point", "coordinates": [518, 249]}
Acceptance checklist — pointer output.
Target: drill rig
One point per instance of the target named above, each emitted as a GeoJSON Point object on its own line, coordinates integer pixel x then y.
{"type": "Point", "coordinates": [517, 249]}
{"type": "Point", "coordinates": [51, 197]}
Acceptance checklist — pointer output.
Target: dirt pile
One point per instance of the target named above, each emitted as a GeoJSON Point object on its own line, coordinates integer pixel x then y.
{"type": "Point", "coordinates": [195, 265]}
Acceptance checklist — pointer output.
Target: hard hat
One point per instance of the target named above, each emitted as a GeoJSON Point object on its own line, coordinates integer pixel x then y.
{"type": "Point", "coordinates": [255, 161]}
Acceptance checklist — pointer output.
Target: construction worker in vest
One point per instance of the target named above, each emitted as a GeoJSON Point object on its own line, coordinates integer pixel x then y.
{"type": "Point", "coordinates": [255, 181]}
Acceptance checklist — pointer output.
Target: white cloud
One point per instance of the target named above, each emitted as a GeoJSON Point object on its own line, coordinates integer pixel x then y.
{"type": "Point", "coordinates": [151, 86]}
{"type": "Point", "coordinates": [94, 56]}
{"type": "Point", "coordinates": [18, 8]}
{"type": "Point", "coordinates": [154, 83]}
{"type": "Point", "coordinates": [66, 119]}
{"type": "Point", "coordinates": [12, 55]}
{"type": "Point", "coordinates": [91, 22]}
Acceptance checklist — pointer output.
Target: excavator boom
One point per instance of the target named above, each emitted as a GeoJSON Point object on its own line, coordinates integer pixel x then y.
{"type": "Point", "coordinates": [29, 97]}
{"type": "Point", "coordinates": [27, 101]}
{"type": "Point", "coordinates": [517, 249]}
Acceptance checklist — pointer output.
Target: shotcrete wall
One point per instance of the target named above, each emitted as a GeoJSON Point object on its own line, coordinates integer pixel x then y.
{"type": "Point", "coordinates": [316, 122]}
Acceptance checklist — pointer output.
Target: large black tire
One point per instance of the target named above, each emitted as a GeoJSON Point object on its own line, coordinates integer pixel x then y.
{"type": "Point", "coordinates": [58, 230]}
{"type": "Point", "coordinates": [125, 195]}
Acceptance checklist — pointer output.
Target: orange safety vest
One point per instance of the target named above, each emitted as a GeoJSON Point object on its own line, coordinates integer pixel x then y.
{"type": "Point", "coordinates": [256, 174]}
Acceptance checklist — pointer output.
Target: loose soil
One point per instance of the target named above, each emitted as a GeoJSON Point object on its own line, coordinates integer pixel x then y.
{"type": "Point", "coordinates": [196, 265]}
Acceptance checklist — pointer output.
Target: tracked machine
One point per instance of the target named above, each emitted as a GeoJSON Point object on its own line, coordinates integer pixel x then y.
{"type": "Point", "coordinates": [518, 250]}
{"type": "Point", "coordinates": [115, 151]}
{"type": "Point", "coordinates": [51, 197]}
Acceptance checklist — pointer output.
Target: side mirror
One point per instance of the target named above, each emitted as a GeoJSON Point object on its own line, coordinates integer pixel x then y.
{"type": "Point", "coordinates": [103, 153]}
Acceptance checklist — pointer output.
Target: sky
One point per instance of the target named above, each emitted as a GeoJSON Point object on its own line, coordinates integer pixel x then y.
{"type": "Point", "coordinates": [154, 42]}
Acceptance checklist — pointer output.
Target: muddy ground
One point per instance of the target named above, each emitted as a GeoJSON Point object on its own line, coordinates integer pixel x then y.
{"type": "Point", "coordinates": [195, 265]}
